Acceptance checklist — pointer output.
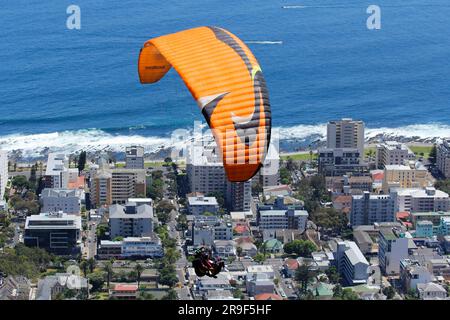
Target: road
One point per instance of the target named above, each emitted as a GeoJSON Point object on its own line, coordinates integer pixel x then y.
{"type": "Point", "coordinates": [284, 285]}
{"type": "Point", "coordinates": [91, 240]}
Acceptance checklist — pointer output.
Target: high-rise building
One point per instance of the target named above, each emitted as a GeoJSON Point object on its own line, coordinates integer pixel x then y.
{"type": "Point", "coordinates": [369, 208]}
{"type": "Point", "coordinates": [56, 232]}
{"type": "Point", "coordinates": [346, 133]}
{"type": "Point", "coordinates": [101, 188]}
{"type": "Point", "coordinates": [3, 172]}
{"type": "Point", "coordinates": [339, 162]}
{"type": "Point", "coordinates": [393, 153]}
{"type": "Point", "coordinates": [269, 174]}
{"type": "Point", "coordinates": [443, 157]}
{"type": "Point", "coordinates": [127, 183]}
{"type": "Point", "coordinates": [134, 157]}
{"type": "Point", "coordinates": [239, 196]}
{"type": "Point", "coordinates": [351, 263]}
{"type": "Point", "coordinates": [410, 175]}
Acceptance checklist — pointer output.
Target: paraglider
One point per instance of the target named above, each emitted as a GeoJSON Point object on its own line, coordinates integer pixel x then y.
{"type": "Point", "coordinates": [205, 264]}
{"type": "Point", "coordinates": [227, 83]}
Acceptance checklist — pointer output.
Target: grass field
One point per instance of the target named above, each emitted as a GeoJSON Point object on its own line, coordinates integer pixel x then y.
{"type": "Point", "coordinates": [418, 150]}
{"type": "Point", "coordinates": [299, 156]}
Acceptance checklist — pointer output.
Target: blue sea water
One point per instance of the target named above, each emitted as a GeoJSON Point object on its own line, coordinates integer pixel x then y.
{"type": "Point", "coordinates": [62, 88]}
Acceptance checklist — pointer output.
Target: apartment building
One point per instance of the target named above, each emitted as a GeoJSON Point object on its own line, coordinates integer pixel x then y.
{"type": "Point", "coordinates": [57, 173]}
{"type": "Point", "coordinates": [351, 263]}
{"type": "Point", "coordinates": [409, 175]}
{"type": "Point", "coordinates": [420, 199]}
{"type": "Point", "coordinates": [131, 248]}
{"type": "Point", "coordinates": [127, 183]}
{"type": "Point", "coordinates": [393, 153]}
{"type": "Point", "coordinates": [101, 188]}
{"type": "Point", "coordinates": [3, 173]}
{"type": "Point", "coordinates": [130, 220]}
{"type": "Point", "coordinates": [392, 248]}
{"type": "Point", "coordinates": [282, 219]}
{"type": "Point", "coordinates": [370, 208]}
{"type": "Point", "coordinates": [134, 157]}
{"type": "Point", "coordinates": [207, 229]}
{"type": "Point", "coordinates": [66, 200]}
{"type": "Point", "coordinates": [342, 161]}
{"type": "Point", "coordinates": [199, 205]}
{"type": "Point", "coordinates": [443, 157]}
{"type": "Point", "coordinates": [346, 133]}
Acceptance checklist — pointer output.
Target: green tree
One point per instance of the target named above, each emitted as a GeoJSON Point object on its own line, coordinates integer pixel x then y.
{"type": "Point", "coordinates": [304, 275]}
{"type": "Point", "coordinates": [96, 279]}
{"type": "Point", "coordinates": [91, 264]}
{"type": "Point", "coordinates": [302, 248]}
{"type": "Point", "coordinates": [108, 269]}
{"type": "Point", "coordinates": [389, 292]}
{"type": "Point", "coordinates": [433, 154]}
{"type": "Point", "coordinates": [333, 275]}
{"type": "Point", "coordinates": [81, 161]}
{"type": "Point", "coordinates": [349, 294]}
{"type": "Point", "coordinates": [84, 266]}
{"type": "Point", "coordinates": [19, 182]}
{"type": "Point", "coordinates": [138, 268]}
{"type": "Point", "coordinates": [170, 295]}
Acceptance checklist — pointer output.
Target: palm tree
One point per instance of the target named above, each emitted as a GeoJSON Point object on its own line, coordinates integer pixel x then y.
{"type": "Point", "coordinates": [84, 266]}
{"type": "Point", "coordinates": [138, 268]}
{"type": "Point", "coordinates": [107, 267]}
{"type": "Point", "coordinates": [239, 252]}
{"type": "Point", "coordinates": [91, 263]}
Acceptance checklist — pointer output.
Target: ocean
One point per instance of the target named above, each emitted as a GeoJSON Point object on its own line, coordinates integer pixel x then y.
{"type": "Point", "coordinates": [66, 90]}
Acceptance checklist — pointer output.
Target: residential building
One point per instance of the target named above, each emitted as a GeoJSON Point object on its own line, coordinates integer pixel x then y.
{"type": "Point", "coordinates": [239, 196]}
{"type": "Point", "coordinates": [127, 183]}
{"type": "Point", "coordinates": [259, 283]}
{"type": "Point", "coordinates": [15, 288]}
{"type": "Point", "coordinates": [131, 248]}
{"type": "Point", "coordinates": [282, 219]}
{"type": "Point", "coordinates": [443, 157]}
{"type": "Point", "coordinates": [56, 232]}
{"type": "Point", "coordinates": [351, 263]}
{"type": "Point", "coordinates": [434, 217]}
{"type": "Point", "coordinates": [225, 248]}
{"type": "Point", "coordinates": [339, 162]}
{"type": "Point", "coordinates": [130, 220]}
{"type": "Point", "coordinates": [269, 174]}
{"type": "Point", "coordinates": [134, 157]}
{"type": "Point", "coordinates": [3, 173]}
{"type": "Point", "coordinates": [346, 133]}
{"type": "Point", "coordinates": [207, 229]}
{"type": "Point", "coordinates": [57, 173]}
{"type": "Point", "coordinates": [205, 284]}
{"type": "Point", "coordinates": [370, 208]}
{"type": "Point", "coordinates": [410, 175]}
{"type": "Point", "coordinates": [420, 199]}
{"type": "Point", "coordinates": [198, 205]}
{"type": "Point", "coordinates": [124, 291]}
{"type": "Point", "coordinates": [393, 153]}
{"type": "Point", "coordinates": [412, 274]}
{"type": "Point", "coordinates": [392, 248]}
{"type": "Point", "coordinates": [267, 270]}
{"type": "Point", "coordinates": [101, 188]}
{"type": "Point", "coordinates": [431, 291]}
{"type": "Point", "coordinates": [66, 200]}
{"type": "Point", "coordinates": [424, 229]}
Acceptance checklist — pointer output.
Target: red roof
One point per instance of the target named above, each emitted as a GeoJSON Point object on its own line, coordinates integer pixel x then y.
{"type": "Point", "coordinates": [343, 199]}
{"type": "Point", "coordinates": [291, 264]}
{"type": "Point", "coordinates": [403, 215]}
{"type": "Point", "coordinates": [79, 184]}
{"type": "Point", "coordinates": [125, 287]}
{"type": "Point", "coordinates": [241, 229]}
{"type": "Point", "coordinates": [378, 176]}
{"type": "Point", "coordinates": [268, 296]}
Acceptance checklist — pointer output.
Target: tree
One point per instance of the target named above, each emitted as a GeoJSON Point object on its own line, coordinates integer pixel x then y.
{"type": "Point", "coordinates": [32, 180]}
{"type": "Point", "coordinates": [81, 161]}
{"type": "Point", "coordinates": [168, 276]}
{"type": "Point", "coordinates": [170, 295]}
{"type": "Point", "coordinates": [333, 275]}
{"type": "Point", "coordinates": [433, 154]}
{"type": "Point", "coordinates": [389, 292]}
{"type": "Point", "coordinates": [168, 160]}
{"type": "Point", "coordinates": [259, 257]}
{"type": "Point", "coordinates": [84, 266]}
{"type": "Point", "coordinates": [304, 275]}
{"type": "Point", "coordinates": [91, 264]}
{"type": "Point", "coordinates": [138, 268]}
{"type": "Point", "coordinates": [239, 252]}
{"type": "Point", "coordinates": [171, 255]}
{"type": "Point", "coordinates": [302, 248]}
{"type": "Point", "coordinates": [96, 279]}
{"type": "Point", "coordinates": [349, 294]}
{"type": "Point", "coordinates": [337, 291]}
{"type": "Point", "coordinates": [237, 293]}
{"type": "Point", "coordinates": [108, 269]}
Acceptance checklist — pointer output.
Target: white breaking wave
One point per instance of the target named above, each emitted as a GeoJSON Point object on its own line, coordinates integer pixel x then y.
{"type": "Point", "coordinates": [37, 145]}
{"type": "Point", "coordinates": [294, 7]}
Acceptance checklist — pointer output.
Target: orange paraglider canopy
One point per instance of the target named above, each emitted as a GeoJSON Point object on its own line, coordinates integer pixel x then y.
{"type": "Point", "coordinates": [225, 79]}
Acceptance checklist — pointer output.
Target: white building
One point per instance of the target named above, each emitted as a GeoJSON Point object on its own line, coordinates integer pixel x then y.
{"type": "Point", "coordinates": [431, 291]}
{"type": "Point", "coordinates": [142, 247]}
{"type": "Point", "coordinates": [57, 173]}
{"type": "Point", "coordinates": [420, 199]}
{"type": "Point", "coordinates": [443, 157]}
{"type": "Point", "coordinates": [346, 133]}
{"type": "Point", "coordinates": [134, 157]}
{"type": "Point", "coordinates": [392, 248]}
{"type": "Point", "coordinates": [130, 220]}
{"type": "Point", "coordinates": [207, 229]}
{"type": "Point", "coordinates": [393, 153]}
{"type": "Point", "coordinates": [351, 263]}
{"type": "Point", "coordinates": [3, 173]}
{"type": "Point", "coordinates": [267, 270]}
{"type": "Point", "coordinates": [370, 208]}
{"type": "Point", "coordinates": [283, 219]}
{"type": "Point", "coordinates": [200, 204]}
{"type": "Point", "coordinates": [66, 200]}
{"type": "Point", "coordinates": [259, 283]}
{"type": "Point", "coordinates": [269, 174]}
{"type": "Point", "coordinates": [412, 274]}
{"type": "Point", "coordinates": [225, 248]}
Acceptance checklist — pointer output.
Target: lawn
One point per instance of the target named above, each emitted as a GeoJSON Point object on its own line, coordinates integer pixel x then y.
{"type": "Point", "coordinates": [299, 156]}
{"type": "Point", "coordinates": [419, 150]}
